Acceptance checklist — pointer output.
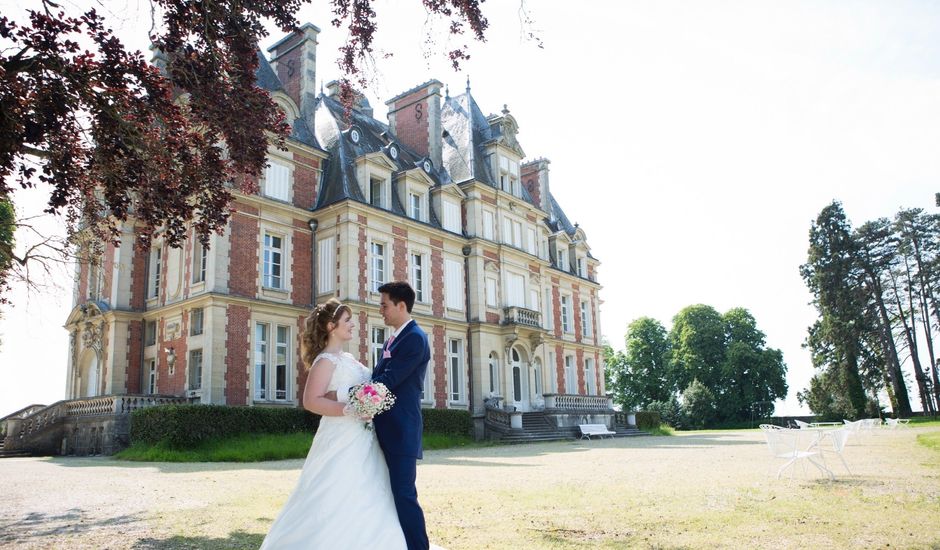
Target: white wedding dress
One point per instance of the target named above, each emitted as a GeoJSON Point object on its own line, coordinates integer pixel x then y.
{"type": "Point", "coordinates": [342, 499]}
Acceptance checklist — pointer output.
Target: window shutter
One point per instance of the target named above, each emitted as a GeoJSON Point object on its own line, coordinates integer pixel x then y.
{"type": "Point", "coordinates": [277, 181]}
{"type": "Point", "coordinates": [453, 274]}
{"type": "Point", "coordinates": [488, 225]}
{"type": "Point", "coordinates": [326, 265]}
{"type": "Point", "coordinates": [451, 216]}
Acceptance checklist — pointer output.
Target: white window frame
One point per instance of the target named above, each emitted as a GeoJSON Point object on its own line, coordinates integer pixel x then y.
{"type": "Point", "coordinates": [416, 206]}
{"type": "Point", "coordinates": [427, 390]}
{"type": "Point", "coordinates": [489, 225]}
{"type": "Point", "coordinates": [586, 329]}
{"type": "Point", "coordinates": [200, 262]}
{"type": "Point", "coordinates": [492, 296]}
{"type": "Point", "coordinates": [493, 364]}
{"type": "Point", "coordinates": [417, 268]}
{"type": "Point", "coordinates": [566, 324]}
{"type": "Point", "coordinates": [571, 376]}
{"type": "Point", "coordinates": [194, 314]}
{"type": "Point", "coordinates": [563, 263]}
{"type": "Point", "coordinates": [515, 289]}
{"type": "Point", "coordinates": [277, 181]}
{"type": "Point", "coordinates": [193, 374]}
{"type": "Point", "coordinates": [589, 376]}
{"type": "Point", "coordinates": [378, 337]}
{"type": "Point", "coordinates": [152, 376]}
{"type": "Point", "coordinates": [454, 284]}
{"type": "Point", "coordinates": [451, 217]}
{"type": "Point", "coordinates": [150, 337]}
{"type": "Point", "coordinates": [326, 253]}
{"type": "Point", "coordinates": [378, 264]}
{"type": "Point", "coordinates": [266, 355]}
{"type": "Point", "coordinates": [531, 246]}
{"type": "Point", "coordinates": [582, 269]}
{"type": "Point", "coordinates": [382, 183]}
{"type": "Point", "coordinates": [549, 310]}
{"type": "Point", "coordinates": [156, 266]}
{"type": "Point", "coordinates": [269, 251]}
{"type": "Point", "coordinates": [455, 371]}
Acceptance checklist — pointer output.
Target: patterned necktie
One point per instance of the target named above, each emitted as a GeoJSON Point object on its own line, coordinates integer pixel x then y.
{"type": "Point", "coordinates": [390, 340]}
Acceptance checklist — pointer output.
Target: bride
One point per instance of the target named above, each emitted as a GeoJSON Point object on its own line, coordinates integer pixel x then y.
{"type": "Point", "coordinates": [343, 498]}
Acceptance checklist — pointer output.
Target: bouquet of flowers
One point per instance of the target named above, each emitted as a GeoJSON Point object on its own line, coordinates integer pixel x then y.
{"type": "Point", "coordinates": [369, 399]}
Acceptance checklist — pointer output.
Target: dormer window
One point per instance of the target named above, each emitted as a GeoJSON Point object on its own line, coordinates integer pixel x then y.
{"type": "Point", "coordinates": [563, 260]}
{"type": "Point", "coordinates": [277, 181]}
{"type": "Point", "coordinates": [416, 206]}
{"type": "Point", "coordinates": [509, 175]}
{"type": "Point", "coordinates": [377, 192]}
{"type": "Point", "coordinates": [582, 270]}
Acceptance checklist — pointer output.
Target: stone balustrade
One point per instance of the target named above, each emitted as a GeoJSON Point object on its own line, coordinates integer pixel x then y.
{"type": "Point", "coordinates": [498, 417]}
{"type": "Point", "coordinates": [580, 403]}
{"type": "Point", "coordinates": [515, 315]}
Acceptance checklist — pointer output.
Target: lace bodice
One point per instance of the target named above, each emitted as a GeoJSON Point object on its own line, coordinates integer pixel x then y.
{"type": "Point", "coordinates": [347, 374]}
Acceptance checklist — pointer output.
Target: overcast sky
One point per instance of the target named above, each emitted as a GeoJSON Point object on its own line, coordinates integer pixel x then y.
{"type": "Point", "coordinates": [693, 141]}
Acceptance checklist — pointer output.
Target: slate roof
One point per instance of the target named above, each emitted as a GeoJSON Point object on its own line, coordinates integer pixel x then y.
{"type": "Point", "coordinates": [267, 79]}
{"type": "Point", "coordinates": [339, 172]}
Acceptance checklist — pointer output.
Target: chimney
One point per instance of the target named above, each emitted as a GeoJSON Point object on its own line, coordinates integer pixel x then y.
{"type": "Point", "coordinates": [415, 119]}
{"type": "Point", "coordinates": [294, 59]}
{"type": "Point", "coordinates": [360, 102]}
{"type": "Point", "coordinates": [535, 179]}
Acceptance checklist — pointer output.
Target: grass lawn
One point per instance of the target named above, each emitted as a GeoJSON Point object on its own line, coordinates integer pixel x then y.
{"type": "Point", "coordinates": [259, 447]}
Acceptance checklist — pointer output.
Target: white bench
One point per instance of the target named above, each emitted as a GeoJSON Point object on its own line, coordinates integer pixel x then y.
{"type": "Point", "coordinates": [600, 430]}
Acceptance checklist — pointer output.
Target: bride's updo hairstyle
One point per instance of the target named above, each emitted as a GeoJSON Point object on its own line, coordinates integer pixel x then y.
{"type": "Point", "coordinates": [316, 334]}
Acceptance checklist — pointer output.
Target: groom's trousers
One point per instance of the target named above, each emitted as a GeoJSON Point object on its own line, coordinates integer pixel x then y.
{"type": "Point", "coordinates": [402, 472]}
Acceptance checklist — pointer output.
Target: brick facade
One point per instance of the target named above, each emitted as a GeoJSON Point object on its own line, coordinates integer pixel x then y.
{"type": "Point", "coordinates": [363, 261]}
{"type": "Point", "coordinates": [244, 261]}
{"type": "Point", "coordinates": [133, 369]}
{"type": "Point", "coordinates": [400, 254]}
{"type": "Point", "coordinates": [305, 182]}
{"type": "Point", "coordinates": [439, 359]}
{"type": "Point", "coordinates": [579, 365]}
{"type": "Point", "coordinates": [560, 368]}
{"type": "Point", "coordinates": [300, 271]}
{"type": "Point", "coordinates": [237, 356]}
{"type": "Point", "coordinates": [437, 278]}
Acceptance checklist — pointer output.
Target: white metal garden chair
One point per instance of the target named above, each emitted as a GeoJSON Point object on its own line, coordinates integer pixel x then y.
{"type": "Point", "coordinates": [833, 442]}
{"type": "Point", "coordinates": [790, 446]}
{"type": "Point", "coordinates": [802, 425]}
{"type": "Point", "coordinates": [895, 423]}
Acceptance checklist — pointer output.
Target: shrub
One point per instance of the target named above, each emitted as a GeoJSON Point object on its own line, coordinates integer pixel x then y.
{"type": "Point", "coordinates": [698, 405]}
{"type": "Point", "coordinates": [648, 420]}
{"type": "Point", "coordinates": [183, 426]}
{"type": "Point", "coordinates": [669, 411]}
{"type": "Point", "coordinates": [447, 421]}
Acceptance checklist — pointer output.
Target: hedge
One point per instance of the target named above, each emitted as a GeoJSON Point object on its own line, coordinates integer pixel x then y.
{"type": "Point", "coordinates": [646, 420]}
{"type": "Point", "coordinates": [447, 422]}
{"type": "Point", "coordinates": [183, 426]}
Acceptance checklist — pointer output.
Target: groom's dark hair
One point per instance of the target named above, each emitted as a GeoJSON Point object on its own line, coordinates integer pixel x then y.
{"type": "Point", "coordinates": [398, 292]}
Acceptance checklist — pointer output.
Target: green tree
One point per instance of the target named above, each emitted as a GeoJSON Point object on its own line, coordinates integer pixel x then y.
{"type": "Point", "coordinates": [697, 343]}
{"type": "Point", "coordinates": [648, 376]}
{"type": "Point", "coordinates": [833, 276]}
{"type": "Point", "coordinates": [698, 406]}
{"type": "Point", "coordinates": [7, 232]}
{"type": "Point", "coordinates": [751, 373]}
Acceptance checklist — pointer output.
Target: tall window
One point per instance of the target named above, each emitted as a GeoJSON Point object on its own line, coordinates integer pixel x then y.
{"type": "Point", "coordinates": [414, 200]}
{"type": "Point", "coordinates": [509, 175]}
{"type": "Point", "coordinates": [491, 300]}
{"type": "Point", "coordinates": [277, 181]}
{"type": "Point", "coordinates": [152, 377]}
{"type": "Point", "coordinates": [563, 260]}
{"type": "Point", "coordinates": [582, 272]}
{"type": "Point", "coordinates": [494, 373]}
{"type": "Point", "coordinates": [537, 375]}
{"type": "Point", "coordinates": [94, 280]}
{"type": "Point", "coordinates": [280, 363]}
{"type": "Point", "coordinates": [266, 355]}
{"type": "Point", "coordinates": [326, 255]}
{"type": "Point", "coordinates": [426, 393]}
{"type": "Point", "coordinates": [195, 369]}
{"type": "Point", "coordinates": [453, 284]}
{"type": "Point", "coordinates": [155, 267]}
{"type": "Point", "coordinates": [378, 266]}
{"type": "Point", "coordinates": [589, 376]}
{"type": "Point", "coordinates": [456, 370]}
{"type": "Point", "coordinates": [488, 225]}
{"type": "Point", "coordinates": [531, 245]}
{"type": "Point", "coordinates": [517, 234]}
{"type": "Point", "coordinates": [273, 260]}
{"type": "Point", "coordinates": [377, 192]}
{"type": "Point", "coordinates": [516, 376]}
{"type": "Point", "coordinates": [378, 341]}
{"type": "Point", "coordinates": [417, 276]}
{"type": "Point", "coordinates": [150, 333]}
{"type": "Point", "coordinates": [570, 386]}
{"type": "Point", "coordinates": [586, 327]}
{"type": "Point", "coordinates": [451, 221]}
{"type": "Point", "coordinates": [516, 290]}
{"type": "Point", "coordinates": [195, 321]}
{"type": "Point", "coordinates": [565, 312]}
{"type": "Point", "coordinates": [549, 310]}
{"type": "Point", "coordinates": [200, 257]}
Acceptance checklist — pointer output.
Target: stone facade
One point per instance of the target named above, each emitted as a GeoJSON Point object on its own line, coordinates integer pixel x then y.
{"type": "Point", "coordinates": [501, 272]}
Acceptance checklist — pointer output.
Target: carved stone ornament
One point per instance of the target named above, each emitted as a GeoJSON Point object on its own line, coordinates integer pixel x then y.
{"type": "Point", "coordinates": [91, 335]}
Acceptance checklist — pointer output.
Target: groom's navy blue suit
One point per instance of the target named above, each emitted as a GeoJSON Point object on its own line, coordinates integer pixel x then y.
{"type": "Point", "coordinates": [402, 369]}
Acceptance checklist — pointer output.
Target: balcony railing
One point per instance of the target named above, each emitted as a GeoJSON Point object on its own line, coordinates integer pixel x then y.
{"type": "Point", "coordinates": [515, 315]}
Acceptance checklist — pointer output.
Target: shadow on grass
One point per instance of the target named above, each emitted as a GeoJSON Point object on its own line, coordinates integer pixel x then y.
{"type": "Point", "coordinates": [235, 540]}
{"type": "Point", "coordinates": [175, 467]}
{"type": "Point", "coordinates": [36, 527]}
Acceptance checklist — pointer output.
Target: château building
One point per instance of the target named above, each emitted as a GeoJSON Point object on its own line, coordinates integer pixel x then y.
{"type": "Point", "coordinates": [441, 195]}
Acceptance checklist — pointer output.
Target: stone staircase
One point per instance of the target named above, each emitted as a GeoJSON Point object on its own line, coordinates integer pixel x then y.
{"type": "Point", "coordinates": [536, 427]}
{"type": "Point", "coordinates": [10, 454]}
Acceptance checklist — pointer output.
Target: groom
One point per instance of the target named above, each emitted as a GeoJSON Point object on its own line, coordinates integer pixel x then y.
{"type": "Point", "coordinates": [404, 361]}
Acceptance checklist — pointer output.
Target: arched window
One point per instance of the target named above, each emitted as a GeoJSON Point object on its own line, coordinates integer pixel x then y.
{"type": "Point", "coordinates": [516, 376]}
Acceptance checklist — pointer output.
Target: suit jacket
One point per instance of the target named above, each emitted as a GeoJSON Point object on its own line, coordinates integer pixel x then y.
{"type": "Point", "coordinates": [399, 428]}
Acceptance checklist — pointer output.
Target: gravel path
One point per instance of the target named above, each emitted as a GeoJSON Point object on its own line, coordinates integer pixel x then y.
{"type": "Point", "coordinates": [637, 492]}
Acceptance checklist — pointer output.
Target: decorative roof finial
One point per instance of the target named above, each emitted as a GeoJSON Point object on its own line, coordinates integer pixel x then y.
{"type": "Point", "coordinates": [446, 91]}
{"type": "Point", "coordinates": [468, 84]}
{"type": "Point", "coordinates": [505, 110]}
